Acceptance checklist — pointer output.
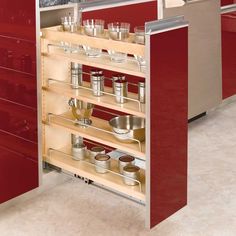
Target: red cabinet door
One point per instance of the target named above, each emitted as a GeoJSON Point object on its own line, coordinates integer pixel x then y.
{"type": "Point", "coordinates": [18, 99]}
{"type": "Point", "coordinates": [228, 53]}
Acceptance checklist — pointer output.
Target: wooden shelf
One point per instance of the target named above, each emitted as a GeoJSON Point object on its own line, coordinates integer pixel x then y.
{"type": "Point", "coordinates": [130, 107]}
{"type": "Point", "coordinates": [129, 67]}
{"type": "Point", "coordinates": [56, 34]}
{"type": "Point", "coordinates": [96, 135]}
{"type": "Point", "coordinates": [85, 170]}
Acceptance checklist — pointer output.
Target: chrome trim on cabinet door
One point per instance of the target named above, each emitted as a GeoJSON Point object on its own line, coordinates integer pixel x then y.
{"type": "Point", "coordinates": [228, 8]}
{"type": "Point", "coordinates": [104, 4]}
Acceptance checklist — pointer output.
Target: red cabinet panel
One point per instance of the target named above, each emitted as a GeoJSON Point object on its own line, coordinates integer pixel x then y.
{"type": "Point", "coordinates": [18, 99]}
{"type": "Point", "coordinates": [227, 2]}
{"type": "Point", "coordinates": [18, 87]}
{"type": "Point", "coordinates": [18, 55]}
{"type": "Point", "coordinates": [228, 54]}
{"type": "Point", "coordinates": [168, 123]}
{"type": "Point", "coordinates": [17, 19]}
{"type": "Point", "coordinates": [19, 174]}
{"type": "Point", "coordinates": [18, 120]}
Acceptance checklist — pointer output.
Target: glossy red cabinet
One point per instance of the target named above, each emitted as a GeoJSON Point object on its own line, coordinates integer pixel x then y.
{"type": "Point", "coordinates": [227, 2]}
{"type": "Point", "coordinates": [228, 53]}
{"type": "Point", "coordinates": [18, 99]}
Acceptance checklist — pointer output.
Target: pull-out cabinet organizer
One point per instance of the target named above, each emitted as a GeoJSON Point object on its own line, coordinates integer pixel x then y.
{"type": "Point", "coordinates": [162, 183]}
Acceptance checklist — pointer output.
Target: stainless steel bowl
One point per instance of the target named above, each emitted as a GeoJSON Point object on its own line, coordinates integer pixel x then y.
{"type": "Point", "coordinates": [126, 128]}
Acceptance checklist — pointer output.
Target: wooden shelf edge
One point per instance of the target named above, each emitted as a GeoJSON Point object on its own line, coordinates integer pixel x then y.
{"type": "Point", "coordinates": [56, 34]}
{"type": "Point", "coordinates": [97, 136]}
{"type": "Point", "coordinates": [87, 96]}
{"type": "Point", "coordinates": [89, 172]}
{"type": "Point", "coordinates": [103, 62]}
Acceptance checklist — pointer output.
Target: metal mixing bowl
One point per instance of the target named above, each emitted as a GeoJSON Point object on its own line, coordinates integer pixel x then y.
{"type": "Point", "coordinates": [126, 128]}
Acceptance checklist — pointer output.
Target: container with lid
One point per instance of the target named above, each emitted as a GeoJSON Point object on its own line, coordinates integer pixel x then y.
{"type": "Point", "coordinates": [141, 91]}
{"type": "Point", "coordinates": [102, 163]}
{"type": "Point", "coordinates": [133, 173]}
{"type": "Point", "coordinates": [76, 76]}
{"type": "Point", "coordinates": [97, 84]}
{"type": "Point", "coordinates": [79, 151]}
{"type": "Point", "coordinates": [124, 161]}
{"type": "Point", "coordinates": [120, 90]}
{"type": "Point", "coordinates": [95, 151]}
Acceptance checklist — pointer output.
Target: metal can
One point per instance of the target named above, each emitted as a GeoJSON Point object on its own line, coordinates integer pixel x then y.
{"type": "Point", "coordinates": [116, 77]}
{"type": "Point", "coordinates": [141, 91]}
{"type": "Point", "coordinates": [97, 84]}
{"type": "Point", "coordinates": [95, 151]}
{"type": "Point", "coordinates": [102, 163]}
{"type": "Point", "coordinates": [76, 139]}
{"type": "Point", "coordinates": [76, 76]}
{"type": "Point", "coordinates": [124, 161]}
{"type": "Point", "coordinates": [79, 151]}
{"type": "Point", "coordinates": [133, 173]}
{"type": "Point", "coordinates": [121, 90]}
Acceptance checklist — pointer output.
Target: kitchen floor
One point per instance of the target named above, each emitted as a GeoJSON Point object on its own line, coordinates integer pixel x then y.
{"type": "Point", "coordinates": [73, 208]}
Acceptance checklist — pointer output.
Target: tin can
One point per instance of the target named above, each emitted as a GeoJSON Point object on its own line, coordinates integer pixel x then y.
{"type": "Point", "coordinates": [141, 91]}
{"type": "Point", "coordinates": [97, 84]}
{"type": "Point", "coordinates": [95, 151]}
{"type": "Point", "coordinates": [124, 161]}
{"type": "Point", "coordinates": [132, 172]}
{"type": "Point", "coordinates": [79, 151]}
{"type": "Point", "coordinates": [102, 163]}
{"type": "Point", "coordinates": [76, 76]}
{"type": "Point", "coordinates": [121, 90]}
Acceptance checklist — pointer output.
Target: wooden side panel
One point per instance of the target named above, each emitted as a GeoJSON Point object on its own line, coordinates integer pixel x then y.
{"type": "Point", "coordinates": [228, 54]}
{"type": "Point", "coordinates": [168, 127]}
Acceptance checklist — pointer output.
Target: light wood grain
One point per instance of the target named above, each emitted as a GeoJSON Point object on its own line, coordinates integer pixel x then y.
{"type": "Point", "coordinates": [129, 67]}
{"type": "Point", "coordinates": [130, 107]}
{"type": "Point", "coordinates": [85, 170]}
{"type": "Point", "coordinates": [98, 136]}
{"type": "Point", "coordinates": [56, 34]}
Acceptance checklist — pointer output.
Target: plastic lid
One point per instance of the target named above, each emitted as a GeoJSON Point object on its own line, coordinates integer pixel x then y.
{"type": "Point", "coordinates": [102, 157]}
{"type": "Point", "coordinates": [97, 149]}
{"type": "Point", "coordinates": [126, 158]}
{"type": "Point", "coordinates": [131, 168]}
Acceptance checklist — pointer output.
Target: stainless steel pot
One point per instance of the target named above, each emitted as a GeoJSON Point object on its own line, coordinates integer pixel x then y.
{"type": "Point", "coordinates": [126, 128]}
{"type": "Point", "coordinates": [133, 173]}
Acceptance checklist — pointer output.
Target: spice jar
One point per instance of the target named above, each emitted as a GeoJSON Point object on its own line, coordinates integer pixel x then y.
{"type": "Point", "coordinates": [120, 90]}
{"type": "Point", "coordinates": [124, 161]}
{"type": "Point", "coordinates": [76, 76]}
{"type": "Point", "coordinates": [95, 151]}
{"type": "Point", "coordinates": [133, 173]}
{"type": "Point", "coordinates": [141, 91]}
{"type": "Point", "coordinates": [102, 163]}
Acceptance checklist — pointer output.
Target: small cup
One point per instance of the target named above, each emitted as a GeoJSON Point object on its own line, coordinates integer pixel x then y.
{"type": "Point", "coordinates": [120, 32]}
{"type": "Point", "coordinates": [102, 163]}
{"type": "Point", "coordinates": [95, 151]}
{"type": "Point", "coordinates": [139, 34]}
{"type": "Point", "coordinates": [93, 28]}
{"type": "Point", "coordinates": [97, 84]}
{"type": "Point", "coordinates": [139, 38]}
{"type": "Point", "coordinates": [141, 91]}
{"type": "Point", "coordinates": [133, 173]}
{"type": "Point", "coordinates": [125, 161]}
